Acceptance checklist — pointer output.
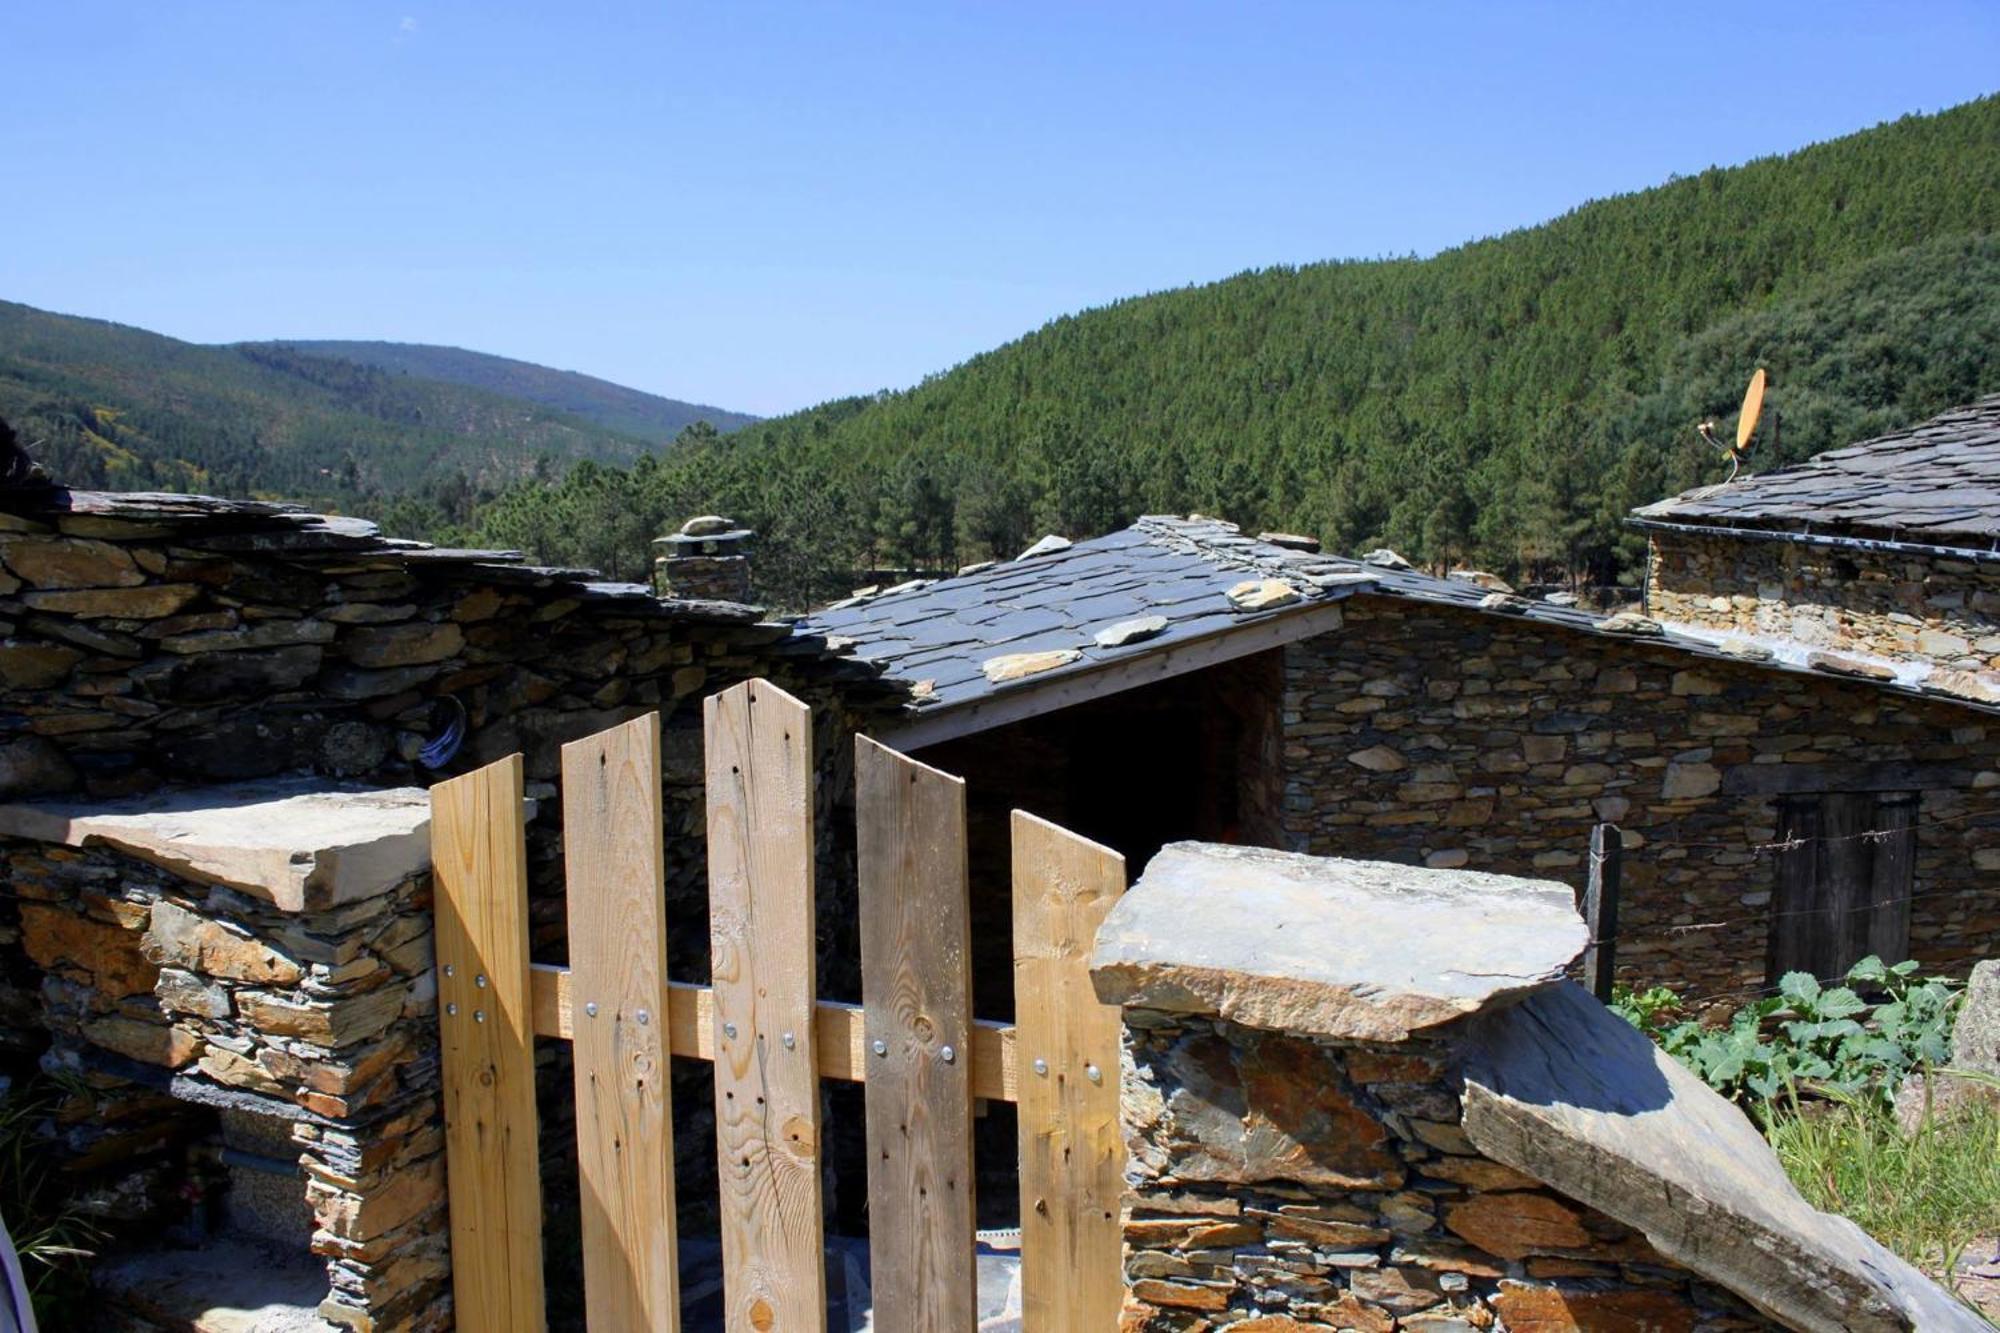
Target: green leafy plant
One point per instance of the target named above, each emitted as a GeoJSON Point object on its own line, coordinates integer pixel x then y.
{"type": "Point", "coordinates": [1855, 1041]}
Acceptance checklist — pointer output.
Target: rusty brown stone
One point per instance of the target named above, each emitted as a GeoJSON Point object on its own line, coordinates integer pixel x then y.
{"type": "Point", "coordinates": [61, 562]}
{"type": "Point", "coordinates": [1478, 1172]}
{"type": "Point", "coordinates": [402, 645]}
{"type": "Point", "coordinates": [326, 1023]}
{"type": "Point", "coordinates": [1515, 1225]}
{"type": "Point", "coordinates": [1180, 1295]}
{"type": "Point", "coordinates": [148, 1043]}
{"type": "Point", "coordinates": [1531, 1309]}
{"type": "Point", "coordinates": [28, 665]}
{"type": "Point", "coordinates": [1268, 1108]}
{"type": "Point", "coordinates": [55, 938]}
{"type": "Point", "coordinates": [179, 938]}
{"type": "Point", "coordinates": [146, 602]}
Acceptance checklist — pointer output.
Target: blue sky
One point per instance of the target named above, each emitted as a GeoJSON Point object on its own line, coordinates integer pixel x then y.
{"type": "Point", "coordinates": [762, 206]}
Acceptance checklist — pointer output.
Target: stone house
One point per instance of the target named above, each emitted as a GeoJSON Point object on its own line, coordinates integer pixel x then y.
{"type": "Point", "coordinates": [1181, 679]}
{"type": "Point", "coordinates": [1888, 549]}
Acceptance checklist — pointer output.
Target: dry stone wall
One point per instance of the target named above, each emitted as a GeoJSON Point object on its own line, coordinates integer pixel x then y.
{"type": "Point", "coordinates": [1904, 607]}
{"type": "Point", "coordinates": [1283, 1183]}
{"type": "Point", "coordinates": [1340, 1115]}
{"type": "Point", "coordinates": [1436, 737]}
{"type": "Point", "coordinates": [168, 1001]}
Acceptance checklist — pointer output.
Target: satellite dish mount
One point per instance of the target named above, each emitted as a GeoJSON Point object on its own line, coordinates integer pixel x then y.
{"type": "Point", "coordinates": [1746, 426]}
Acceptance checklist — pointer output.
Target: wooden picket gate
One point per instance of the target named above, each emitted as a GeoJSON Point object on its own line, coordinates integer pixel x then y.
{"type": "Point", "coordinates": [912, 1042]}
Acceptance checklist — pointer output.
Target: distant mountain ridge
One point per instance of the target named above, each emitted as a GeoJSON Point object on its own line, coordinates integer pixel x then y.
{"type": "Point", "coordinates": [615, 406]}
{"type": "Point", "coordinates": [414, 436]}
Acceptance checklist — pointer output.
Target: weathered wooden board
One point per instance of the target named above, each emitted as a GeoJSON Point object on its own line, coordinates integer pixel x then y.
{"type": "Point", "coordinates": [1795, 906]}
{"type": "Point", "coordinates": [916, 989]}
{"type": "Point", "coordinates": [1846, 861]}
{"type": "Point", "coordinates": [615, 866]}
{"type": "Point", "coordinates": [1072, 1153]}
{"type": "Point", "coordinates": [761, 936]}
{"type": "Point", "coordinates": [840, 1027]}
{"type": "Point", "coordinates": [1895, 878]}
{"type": "Point", "coordinates": [1600, 908]}
{"type": "Point", "coordinates": [479, 855]}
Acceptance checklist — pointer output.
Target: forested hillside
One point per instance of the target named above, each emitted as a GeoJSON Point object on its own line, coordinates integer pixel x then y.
{"type": "Point", "coordinates": [1505, 402]}
{"type": "Point", "coordinates": [629, 411]}
{"type": "Point", "coordinates": [106, 405]}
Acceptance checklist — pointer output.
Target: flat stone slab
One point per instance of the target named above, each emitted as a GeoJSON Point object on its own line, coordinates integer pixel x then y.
{"type": "Point", "coordinates": [1366, 950]}
{"type": "Point", "coordinates": [298, 843]}
{"type": "Point", "coordinates": [1561, 1088]}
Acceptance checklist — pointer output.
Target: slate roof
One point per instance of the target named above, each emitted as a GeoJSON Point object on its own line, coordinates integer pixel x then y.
{"type": "Point", "coordinates": [1180, 569]}
{"type": "Point", "coordinates": [1937, 483]}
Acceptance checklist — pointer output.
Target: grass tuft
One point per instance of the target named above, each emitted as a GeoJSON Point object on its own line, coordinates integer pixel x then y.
{"type": "Point", "coordinates": [1926, 1195]}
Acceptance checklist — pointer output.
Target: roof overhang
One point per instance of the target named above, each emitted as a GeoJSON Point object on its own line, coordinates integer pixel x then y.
{"type": "Point", "coordinates": [1096, 680]}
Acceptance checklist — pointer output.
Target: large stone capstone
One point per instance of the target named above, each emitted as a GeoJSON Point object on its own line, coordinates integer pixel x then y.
{"type": "Point", "coordinates": [1564, 1090]}
{"type": "Point", "coordinates": [298, 843]}
{"type": "Point", "coordinates": [1364, 950]}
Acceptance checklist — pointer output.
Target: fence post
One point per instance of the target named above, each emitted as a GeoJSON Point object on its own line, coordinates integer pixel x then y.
{"type": "Point", "coordinates": [614, 863]}
{"type": "Point", "coordinates": [916, 988]}
{"type": "Point", "coordinates": [1072, 1148]}
{"type": "Point", "coordinates": [1600, 909]}
{"type": "Point", "coordinates": [486, 1032]}
{"type": "Point", "coordinates": [759, 756]}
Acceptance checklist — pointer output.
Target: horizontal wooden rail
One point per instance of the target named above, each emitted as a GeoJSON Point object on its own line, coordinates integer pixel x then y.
{"type": "Point", "coordinates": [841, 1032]}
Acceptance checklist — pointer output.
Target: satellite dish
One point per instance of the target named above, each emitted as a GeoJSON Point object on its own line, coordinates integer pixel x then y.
{"type": "Point", "coordinates": [1753, 407]}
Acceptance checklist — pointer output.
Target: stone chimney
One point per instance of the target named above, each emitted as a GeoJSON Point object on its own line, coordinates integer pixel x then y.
{"type": "Point", "coordinates": [709, 559]}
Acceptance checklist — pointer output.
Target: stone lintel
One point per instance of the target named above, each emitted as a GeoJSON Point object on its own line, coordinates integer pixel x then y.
{"type": "Point", "coordinates": [301, 844]}
{"type": "Point", "coordinates": [1360, 950]}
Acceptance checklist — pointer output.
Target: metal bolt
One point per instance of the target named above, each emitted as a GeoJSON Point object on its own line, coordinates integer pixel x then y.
{"type": "Point", "coordinates": [643, 1017]}
{"type": "Point", "coordinates": [790, 1041]}
{"type": "Point", "coordinates": [449, 970]}
{"type": "Point", "coordinates": [480, 981]}
{"type": "Point", "coordinates": [881, 1047]}
{"type": "Point", "coordinates": [591, 1009]}
{"type": "Point", "coordinates": [451, 1009]}
{"type": "Point", "coordinates": [1093, 1073]}
{"type": "Point", "coordinates": [729, 1031]}
{"type": "Point", "coordinates": [479, 1015]}
{"type": "Point", "coordinates": [949, 1054]}
{"type": "Point", "coordinates": [1042, 1067]}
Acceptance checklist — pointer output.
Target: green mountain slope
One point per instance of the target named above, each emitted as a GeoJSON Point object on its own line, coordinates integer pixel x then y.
{"type": "Point", "coordinates": [628, 411]}
{"type": "Point", "coordinates": [102, 404]}
{"type": "Point", "coordinates": [1503, 402]}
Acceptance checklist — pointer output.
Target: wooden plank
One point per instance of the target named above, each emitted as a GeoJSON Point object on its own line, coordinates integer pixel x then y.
{"type": "Point", "coordinates": [479, 856]}
{"type": "Point", "coordinates": [1072, 1151]}
{"type": "Point", "coordinates": [840, 1028]}
{"type": "Point", "coordinates": [615, 868]}
{"type": "Point", "coordinates": [1845, 862]}
{"type": "Point", "coordinates": [1795, 906]}
{"type": "Point", "coordinates": [1893, 878]}
{"type": "Point", "coordinates": [761, 937]}
{"type": "Point", "coordinates": [916, 992]}
{"type": "Point", "coordinates": [1600, 909]}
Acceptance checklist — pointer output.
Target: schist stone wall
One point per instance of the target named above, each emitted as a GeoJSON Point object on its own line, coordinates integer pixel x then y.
{"type": "Point", "coordinates": [255, 955]}
{"type": "Point", "coordinates": [1359, 1096]}
{"type": "Point", "coordinates": [150, 645]}
{"type": "Point", "coordinates": [1443, 738]}
{"type": "Point", "coordinates": [1904, 607]}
